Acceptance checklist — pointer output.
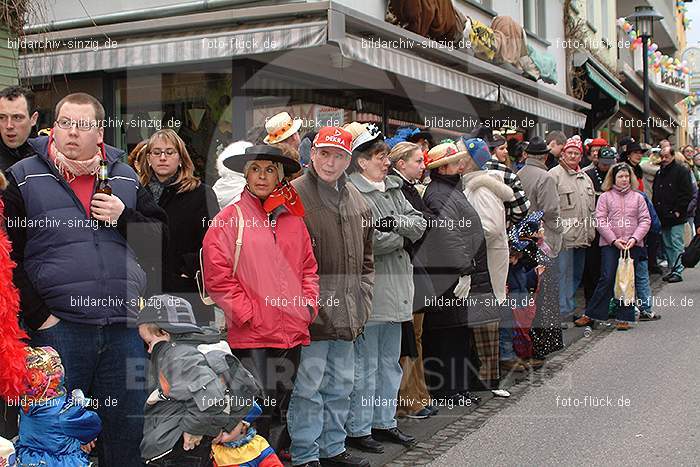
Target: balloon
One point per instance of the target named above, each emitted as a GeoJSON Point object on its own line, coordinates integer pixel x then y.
{"type": "Point", "coordinates": [633, 34]}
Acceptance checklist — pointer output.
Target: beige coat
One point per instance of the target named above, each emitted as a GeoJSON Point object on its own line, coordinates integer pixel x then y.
{"type": "Point", "coordinates": [541, 189]}
{"type": "Point", "coordinates": [486, 192]}
{"type": "Point", "coordinates": [576, 206]}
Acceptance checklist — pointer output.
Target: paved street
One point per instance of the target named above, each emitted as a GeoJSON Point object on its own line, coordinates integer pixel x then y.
{"type": "Point", "coordinates": [629, 398]}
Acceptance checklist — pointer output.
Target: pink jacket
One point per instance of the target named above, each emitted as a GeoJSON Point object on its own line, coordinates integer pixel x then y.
{"type": "Point", "coordinates": [622, 215]}
{"type": "Point", "coordinates": [272, 298]}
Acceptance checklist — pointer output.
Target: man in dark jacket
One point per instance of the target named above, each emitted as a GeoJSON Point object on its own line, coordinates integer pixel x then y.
{"type": "Point", "coordinates": [340, 225]}
{"type": "Point", "coordinates": [17, 117]}
{"type": "Point", "coordinates": [79, 280]}
{"type": "Point", "coordinates": [671, 195]}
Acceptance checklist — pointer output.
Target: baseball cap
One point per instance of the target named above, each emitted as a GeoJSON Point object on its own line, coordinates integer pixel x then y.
{"type": "Point", "coordinates": [170, 313]}
{"type": "Point", "coordinates": [333, 137]}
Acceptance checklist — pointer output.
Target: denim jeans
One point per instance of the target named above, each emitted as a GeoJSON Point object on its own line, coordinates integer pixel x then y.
{"type": "Point", "coordinates": [571, 264]}
{"type": "Point", "coordinates": [600, 302]}
{"type": "Point", "coordinates": [505, 341]}
{"type": "Point", "coordinates": [109, 364]}
{"type": "Point", "coordinates": [673, 241]}
{"type": "Point", "coordinates": [377, 379]}
{"type": "Point", "coordinates": [642, 285]}
{"type": "Point", "coordinates": [320, 400]}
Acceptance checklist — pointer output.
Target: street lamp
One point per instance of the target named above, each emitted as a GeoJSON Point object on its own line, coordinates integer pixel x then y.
{"type": "Point", "coordinates": [643, 18]}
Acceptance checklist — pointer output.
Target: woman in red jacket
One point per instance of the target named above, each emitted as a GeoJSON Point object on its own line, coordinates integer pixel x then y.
{"type": "Point", "coordinates": [268, 287]}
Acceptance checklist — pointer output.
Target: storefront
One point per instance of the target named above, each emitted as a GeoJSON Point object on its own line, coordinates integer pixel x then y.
{"type": "Point", "coordinates": [216, 81]}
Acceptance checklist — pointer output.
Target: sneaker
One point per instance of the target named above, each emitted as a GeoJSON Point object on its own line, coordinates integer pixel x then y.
{"type": "Point", "coordinates": [663, 263]}
{"type": "Point", "coordinates": [583, 321]}
{"type": "Point", "coordinates": [673, 278]}
{"type": "Point", "coordinates": [649, 316]}
{"type": "Point", "coordinates": [433, 410]}
{"type": "Point", "coordinates": [344, 459]}
{"type": "Point", "coordinates": [420, 414]}
{"type": "Point", "coordinates": [623, 326]}
{"type": "Point", "coordinates": [500, 393]}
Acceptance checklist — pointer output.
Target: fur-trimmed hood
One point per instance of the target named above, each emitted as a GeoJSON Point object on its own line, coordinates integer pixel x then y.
{"type": "Point", "coordinates": [475, 180]}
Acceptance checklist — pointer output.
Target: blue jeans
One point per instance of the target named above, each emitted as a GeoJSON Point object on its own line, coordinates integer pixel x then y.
{"type": "Point", "coordinates": [320, 400]}
{"type": "Point", "coordinates": [673, 241]}
{"type": "Point", "coordinates": [571, 264]}
{"type": "Point", "coordinates": [377, 379]}
{"type": "Point", "coordinates": [600, 301]}
{"type": "Point", "coordinates": [505, 340]}
{"type": "Point", "coordinates": [109, 364]}
{"type": "Point", "coordinates": [642, 285]}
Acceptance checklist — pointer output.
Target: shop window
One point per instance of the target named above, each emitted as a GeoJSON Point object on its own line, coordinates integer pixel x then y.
{"type": "Point", "coordinates": [534, 16]}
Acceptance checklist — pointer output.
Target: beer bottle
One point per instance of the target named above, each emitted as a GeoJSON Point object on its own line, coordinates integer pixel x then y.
{"type": "Point", "coordinates": [103, 185]}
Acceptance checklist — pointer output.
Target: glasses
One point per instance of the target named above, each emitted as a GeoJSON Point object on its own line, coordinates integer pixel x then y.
{"type": "Point", "coordinates": [167, 153]}
{"type": "Point", "coordinates": [82, 125]}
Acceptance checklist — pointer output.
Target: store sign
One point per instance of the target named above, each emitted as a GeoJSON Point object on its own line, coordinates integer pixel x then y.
{"type": "Point", "coordinates": [662, 79]}
{"type": "Point", "coordinates": [329, 116]}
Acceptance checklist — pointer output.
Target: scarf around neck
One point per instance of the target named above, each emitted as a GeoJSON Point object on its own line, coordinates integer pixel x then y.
{"type": "Point", "coordinates": [69, 168]}
{"type": "Point", "coordinates": [622, 190]}
{"type": "Point", "coordinates": [156, 187]}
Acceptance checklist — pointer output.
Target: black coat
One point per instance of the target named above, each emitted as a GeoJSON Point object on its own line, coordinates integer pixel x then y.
{"type": "Point", "coordinates": [8, 157]}
{"type": "Point", "coordinates": [673, 192]}
{"type": "Point", "coordinates": [453, 247]}
{"type": "Point", "coordinates": [189, 215]}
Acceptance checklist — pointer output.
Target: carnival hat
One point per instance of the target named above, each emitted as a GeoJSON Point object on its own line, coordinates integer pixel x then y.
{"type": "Point", "coordinates": [444, 153]}
{"type": "Point", "coordinates": [607, 155]}
{"type": "Point", "coordinates": [537, 146]}
{"type": "Point", "coordinates": [478, 150]}
{"type": "Point", "coordinates": [597, 142]}
{"type": "Point", "coordinates": [262, 152]}
{"type": "Point", "coordinates": [280, 127]}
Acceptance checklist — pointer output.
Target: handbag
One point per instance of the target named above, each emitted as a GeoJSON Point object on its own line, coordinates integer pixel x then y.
{"type": "Point", "coordinates": [199, 276]}
{"type": "Point", "coordinates": [691, 255]}
{"type": "Point", "coordinates": [624, 278]}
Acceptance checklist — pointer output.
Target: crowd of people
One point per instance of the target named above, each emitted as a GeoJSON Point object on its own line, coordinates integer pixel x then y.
{"type": "Point", "coordinates": [360, 278]}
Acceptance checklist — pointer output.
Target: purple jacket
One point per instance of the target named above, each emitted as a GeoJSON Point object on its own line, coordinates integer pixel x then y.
{"type": "Point", "coordinates": [622, 215]}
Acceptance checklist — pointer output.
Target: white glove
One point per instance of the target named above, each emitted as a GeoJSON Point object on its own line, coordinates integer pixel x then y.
{"type": "Point", "coordinates": [463, 286]}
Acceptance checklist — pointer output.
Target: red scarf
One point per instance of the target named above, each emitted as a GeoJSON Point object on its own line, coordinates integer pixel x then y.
{"type": "Point", "coordinates": [285, 195]}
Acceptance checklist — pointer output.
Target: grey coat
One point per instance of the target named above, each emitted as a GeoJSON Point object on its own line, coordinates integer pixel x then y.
{"type": "Point", "coordinates": [541, 189]}
{"type": "Point", "coordinates": [393, 283]}
{"type": "Point", "coordinates": [188, 396]}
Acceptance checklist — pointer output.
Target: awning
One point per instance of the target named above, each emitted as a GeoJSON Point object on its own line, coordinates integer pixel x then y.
{"type": "Point", "coordinates": [605, 84]}
{"type": "Point", "coordinates": [175, 49]}
{"type": "Point", "coordinates": [405, 64]}
{"type": "Point", "coordinates": [541, 108]}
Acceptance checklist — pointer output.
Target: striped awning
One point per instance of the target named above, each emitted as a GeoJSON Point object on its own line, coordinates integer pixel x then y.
{"type": "Point", "coordinates": [175, 49]}
{"type": "Point", "coordinates": [420, 69]}
{"type": "Point", "coordinates": [541, 108]}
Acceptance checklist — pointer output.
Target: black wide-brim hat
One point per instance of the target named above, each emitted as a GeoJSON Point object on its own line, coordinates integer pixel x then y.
{"type": "Point", "coordinates": [262, 152]}
{"type": "Point", "coordinates": [632, 147]}
{"type": "Point", "coordinates": [537, 146]}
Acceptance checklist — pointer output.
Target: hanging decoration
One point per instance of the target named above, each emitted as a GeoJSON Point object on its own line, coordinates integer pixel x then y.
{"type": "Point", "coordinates": [657, 61]}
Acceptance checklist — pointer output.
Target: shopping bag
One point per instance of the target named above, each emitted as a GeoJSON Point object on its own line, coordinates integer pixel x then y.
{"type": "Point", "coordinates": [691, 255]}
{"type": "Point", "coordinates": [624, 279]}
